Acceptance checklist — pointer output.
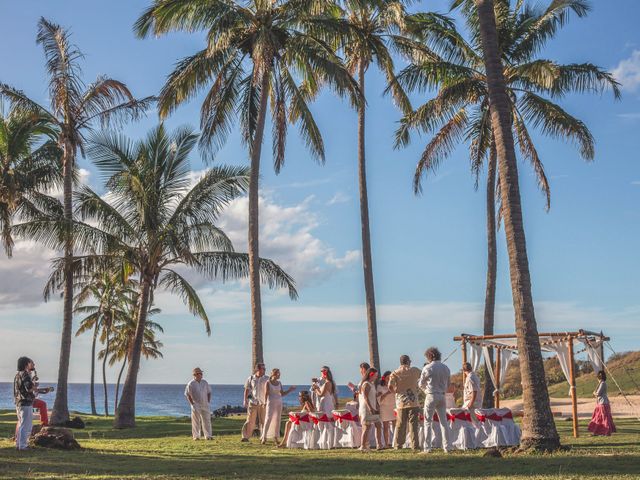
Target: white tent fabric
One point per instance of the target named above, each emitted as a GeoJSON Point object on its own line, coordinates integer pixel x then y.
{"type": "Point", "coordinates": [562, 351]}
{"type": "Point", "coordinates": [505, 359]}
{"type": "Point", "coordinates": [592, 347]}
{"type": "Point", "coordinates": [475, 356]}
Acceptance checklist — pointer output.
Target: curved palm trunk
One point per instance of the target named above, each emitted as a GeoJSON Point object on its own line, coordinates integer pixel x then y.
{"type": "Point", "coordinates": [126, 411]}
{"type": "Point", "coordinates": [104, 376]}
{"type": "Point", "coordinates": [539, 429]}
{"type": "Point", "coordinates": [257, 355]}
{"type": "Point", "coordinates": [367, 264]}
{"type": "Point", "coordinates": [492, 262]}
{"type": "Point", "coordinates": [60, 413]}
{"type": "Point", "coordinates": [115, 401]}
{"type": "Point", "coordinates": [92, 391]}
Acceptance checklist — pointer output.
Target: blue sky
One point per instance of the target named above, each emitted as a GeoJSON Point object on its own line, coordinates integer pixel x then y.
{"type": "Point", "coordinates": [429, 251]}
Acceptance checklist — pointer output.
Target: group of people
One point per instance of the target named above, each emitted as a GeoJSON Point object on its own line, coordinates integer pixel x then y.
{"type": "Point", "coordinates": [383, 400]}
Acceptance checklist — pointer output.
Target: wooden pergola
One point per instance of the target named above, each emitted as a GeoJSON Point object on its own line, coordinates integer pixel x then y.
{"type": "Point", "coordinates": [508, 341]}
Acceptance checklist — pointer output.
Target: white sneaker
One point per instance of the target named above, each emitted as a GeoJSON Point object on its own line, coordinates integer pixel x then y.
{"type": "Point", "coordinates": [426, 451]}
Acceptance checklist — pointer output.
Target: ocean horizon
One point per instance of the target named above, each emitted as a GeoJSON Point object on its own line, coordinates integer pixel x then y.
{"type": "Point", "coordinates": [152, 399]}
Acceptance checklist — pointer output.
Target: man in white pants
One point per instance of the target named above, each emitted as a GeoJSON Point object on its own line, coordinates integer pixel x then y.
{"type": "Point", "coordinates": [198, 393]}
{"type": "Point", "coordinates": [24, 395]}
{"type": "Point", "coordinates": [434, 381]}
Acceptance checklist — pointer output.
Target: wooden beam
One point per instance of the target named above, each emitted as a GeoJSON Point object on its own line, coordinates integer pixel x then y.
{"type": "Point", "coordinates": [497, 386]}
{"type": "Point", "coordinates": [572, 382]}
{"type": "Point", "coordinates": [464, 351]}
{"type": "Point", "coordinates": [505, 336]}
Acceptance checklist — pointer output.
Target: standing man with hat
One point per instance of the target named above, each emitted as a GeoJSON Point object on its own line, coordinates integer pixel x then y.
{"type": "Point", "coordinates": [198, 394]}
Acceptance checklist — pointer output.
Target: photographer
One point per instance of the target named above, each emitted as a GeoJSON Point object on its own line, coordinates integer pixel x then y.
{"type": "Point", "coordinates": [24, 394]}
{"type": "Point", "coordinates": [255, 400]}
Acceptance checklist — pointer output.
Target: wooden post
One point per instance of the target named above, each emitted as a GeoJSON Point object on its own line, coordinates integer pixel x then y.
{"type": "Point", "coordinates": [601, 350]}
{"type": "Point", "coordinates": [572, 382]}
{"type": "Point", "coordinates": [464, 351]}
{"type": "Point", "coordinates": [496, 352]}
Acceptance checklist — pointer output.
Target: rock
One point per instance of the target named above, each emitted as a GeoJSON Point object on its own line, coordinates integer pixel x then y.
{"type": "Point", "coordinates": [228, 410]}
{"type": "Point", "coordinates": [75, 422]}
{"type": "Point", "coordinates": [493, 453]}
{"type": "Point", "coordinates": [55, 437]}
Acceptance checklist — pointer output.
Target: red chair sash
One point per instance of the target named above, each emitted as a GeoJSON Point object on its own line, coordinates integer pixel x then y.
{"type": "Point", "coordinates": [296, 418]}
{"type": "Point", "coordinates": [509, 414]}
{"type": "Point", "coordinates": [459, 416]}
{"type": "Point", "coordinates": [345, 417]}
{"type": "Point", "coordinates": [323, 418]}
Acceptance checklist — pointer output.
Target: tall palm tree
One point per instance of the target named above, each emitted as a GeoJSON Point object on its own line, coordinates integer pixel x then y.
{"type": "Point", "coordinates": [75, 110]}
{"type": "Point", "coordinates": [460, 110]}
{"type": "Point", "coordinates": [374, 27]}
{"type": "Point", "coordinates": [113, 292]}
{"type": "Point", "coordinates": [29, 163]}
{"type": "Point", "coordinates": [255, 53]}
{"type": "Point", "coordinates": [154, 221]}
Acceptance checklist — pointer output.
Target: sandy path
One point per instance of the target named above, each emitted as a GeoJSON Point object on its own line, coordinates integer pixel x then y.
{"type": "Point", "coordinates": [619, 406]}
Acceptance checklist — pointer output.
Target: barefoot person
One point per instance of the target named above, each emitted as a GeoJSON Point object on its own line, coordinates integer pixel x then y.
{"type": "Point", "coordinates": [602, 422]}
{"type": "Point", "coordinates": [434, 381]}
{"type": "Point", "coordinates": [274, 407]}
{"type": "Point", "coordinates": [325, 391]}
{"type": "Point", "coordinates": [198, 394]}
{"type": "Point", "coordinates": [364, 366]}
{"type": "Point", "coordinates": [306, 406]}
{"type": "Point", "coordinates": [24, 395]}
{"type": "Point", "coordinates": [403, 382]}
{"type": "Point", "coordinates": [368, 410]}
{"type": "Point", "coordinates": [471, 397]}
{"type": "Point", "coordinates": [255, 401]}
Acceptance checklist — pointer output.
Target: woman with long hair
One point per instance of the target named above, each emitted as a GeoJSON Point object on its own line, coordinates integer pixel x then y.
{"type": "Point", "coordinates": [368, 409]}
{"type": "Point", "coordinates": [306, 406]}
{"type": "Point", "coordinates": [387, 403]}
{"type": "Point", "coordinates": [602, 421]}
{"type": "Point", "coordinates": [325, 391]}
{"type": "Point", "coordinates": [274, 407]}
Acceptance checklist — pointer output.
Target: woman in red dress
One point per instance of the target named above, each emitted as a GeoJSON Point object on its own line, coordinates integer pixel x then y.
{"type": "Point", "coordinates": [602, 421]}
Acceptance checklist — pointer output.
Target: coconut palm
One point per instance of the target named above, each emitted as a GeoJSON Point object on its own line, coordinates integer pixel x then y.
{"type": "Point", "coordinates": [29, 163]}
{"type": "Point", "coordinates": [154, 222]}
{"type": "Point", "coordinates": [113, 292]}
{"type": "Point", "coordinates": [255, 54]}
{"type": "Point", "coordinates": [374, 27]}
{"type": "Point", "coordinates": [460, 110]}
{"type": "Point", "coordinates": [75, 109]}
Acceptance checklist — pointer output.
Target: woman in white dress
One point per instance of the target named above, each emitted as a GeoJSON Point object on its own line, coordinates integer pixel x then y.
{"type": "Point", "coordinates": [387, 403]}
{"type": "Point", "coordinates": [274, 407]}
{"type": "Point", "coordinates": [325, 391]}
{"type": "Point", "coordinates": [368, 409]}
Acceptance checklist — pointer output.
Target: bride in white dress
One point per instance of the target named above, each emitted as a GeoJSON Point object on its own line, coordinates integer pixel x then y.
{"type": "Point", "coordinates": [326, 393]}
{"type": "Point", "coordinates": [275, 393]}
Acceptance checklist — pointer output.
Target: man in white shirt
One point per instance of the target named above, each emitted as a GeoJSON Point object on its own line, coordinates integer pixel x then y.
{"type": "Point", "coordinates": [255, 401]}
{"type": "Point", "coordinates": [434, 381]}
{"type": "Point", "coordinates": [471, 397]}
{"type": "Point", "coordinates": [198, 394]}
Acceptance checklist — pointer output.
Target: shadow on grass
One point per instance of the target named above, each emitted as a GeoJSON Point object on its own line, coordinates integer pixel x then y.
{"type": "Point", "coordinates": [325, 465]}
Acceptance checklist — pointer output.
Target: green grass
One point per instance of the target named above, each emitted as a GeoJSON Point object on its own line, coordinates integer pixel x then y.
{"type": "Point", "coordinates": [161, 447]}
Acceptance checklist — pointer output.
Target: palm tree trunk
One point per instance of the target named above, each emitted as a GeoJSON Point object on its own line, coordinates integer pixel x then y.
{"type": "Point", "coordinates": [92, 391]}
{"type": "Point", "coordinates": [126, 411]}
{"type": "Point", "coordinates": [492, 262]}
{"type": "Point", "coordinates": [115, 401]}
{"type": "Point", "coordinates": [104, 376]}
{"type": "Point", "coordinates": [539, 429]}
{"type": "Point", "coordinates": [60, 413]}
{"type": "Point", "coordinates": [257, 355]}
{"type": "Point", "coordinates": [367, 264]}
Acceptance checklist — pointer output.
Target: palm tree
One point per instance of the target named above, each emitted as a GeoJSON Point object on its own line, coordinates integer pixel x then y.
{"type": "Point", "coordinates": [112, 291]}
{"type": "Point", "coordinates": [374, 25]}
{"type": "Point", "coordinates": [255, 52]}
{"type": "Point", "coordinates": [154, 221]}
{"type": "Point", "coordinates": [460, 110]}
{"type": "Point", "coordinates": [75, 109]}
{"type": "Point", "coordinates": [29, 163]}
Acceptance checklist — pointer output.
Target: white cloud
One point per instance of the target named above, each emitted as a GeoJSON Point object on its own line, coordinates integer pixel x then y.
{"type": "Point", "coordinates": [629, 116]}
{"type": "Point", "coordinates": [628, 72]}
{"type": "Point", "coordinates": [339, 197]}
{"type": "Point", "coordinates": [635, 182]}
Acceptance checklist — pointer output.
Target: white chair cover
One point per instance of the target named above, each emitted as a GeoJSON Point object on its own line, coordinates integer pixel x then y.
{"type": "Point", "coordinates": [463, 431]}
{"type": "Point", "coordinates": [497, 428]}
{"type": "Point", "coordinates": [511, 430]}
{"type": "Point", "coordinates": [348, 431]}
{"type": "Point", "coordinates": [301, 434]}
{"type": "Point", "coordinates": [324, 430]}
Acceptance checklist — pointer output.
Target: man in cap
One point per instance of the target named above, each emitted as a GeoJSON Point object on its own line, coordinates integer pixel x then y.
{"type": "Point", "coordinates": [24, 395]}
{"type": "Point", "coordinates": [198, 394]}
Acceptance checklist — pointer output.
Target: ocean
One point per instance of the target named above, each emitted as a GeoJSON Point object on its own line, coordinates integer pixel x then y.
{"type": "Point", "coordinates": [166, 400]}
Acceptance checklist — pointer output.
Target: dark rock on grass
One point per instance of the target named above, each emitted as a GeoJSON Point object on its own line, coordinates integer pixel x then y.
{"type": "Point", "coordinates": [227, 410]}
{"type": "Point", "coordinates": [492, 453]}
{"type": "Point", "coordinates": [55, 437]}
{"type": "Point", "coordinates": [75, 422]}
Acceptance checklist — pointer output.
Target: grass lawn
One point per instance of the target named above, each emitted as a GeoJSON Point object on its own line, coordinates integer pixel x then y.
{"type": "Point", "coordinates": [161, 447]}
